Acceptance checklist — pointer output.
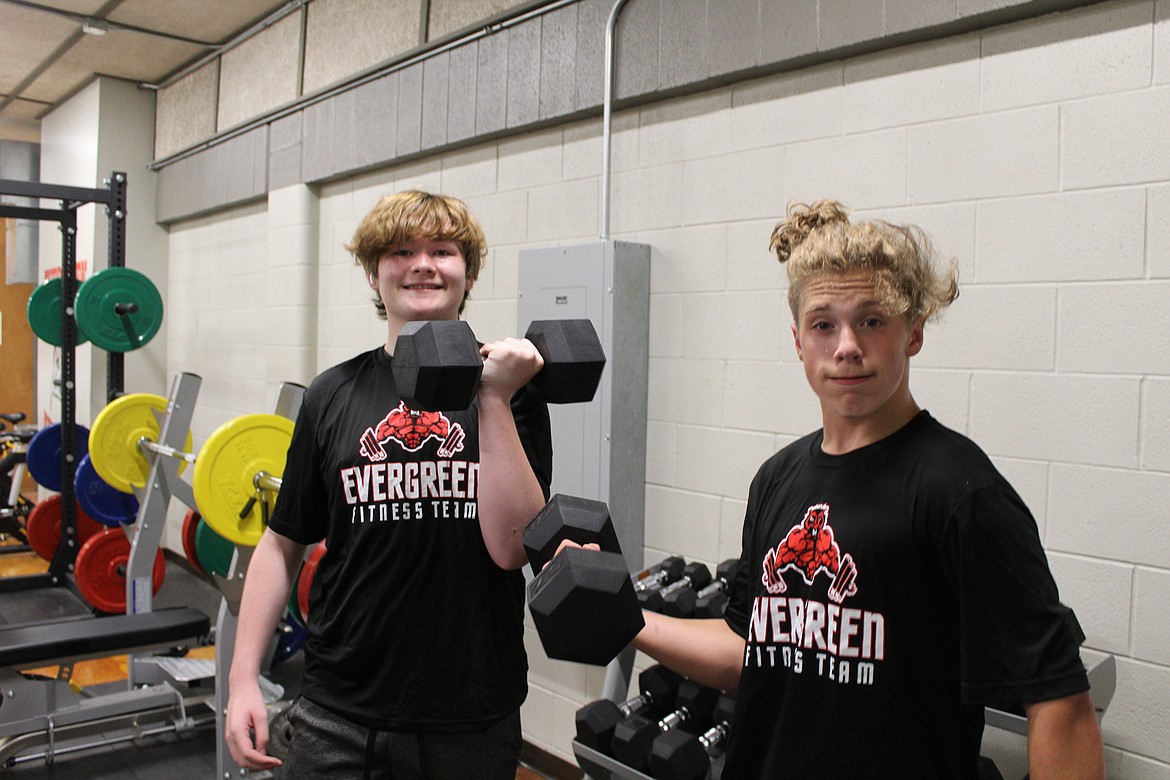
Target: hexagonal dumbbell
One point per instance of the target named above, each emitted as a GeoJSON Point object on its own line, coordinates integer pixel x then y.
{"type": "Point", "coordinates": [647, 588]}
{"type": "Point", "coordinates": [582, 601]}
{"type": "Point", "coordinates": [437, 364]}
{"type": "Point", "coordinates": [684, 602]}
{"type": "Point", "coordinates": [677, 755]}
{"type": "Point", "coordinates": [597, 720]}
{"type": "Point", "coordinates": [695, 576]}
{"type": "Point", "coordinates": [713, 603]}
{"type": "Point", "coordinates": [633, 738]}
{"type": "Point", "coordinates": [665, 571]}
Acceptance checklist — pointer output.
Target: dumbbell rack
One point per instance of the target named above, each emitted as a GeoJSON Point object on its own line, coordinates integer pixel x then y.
{"type": "Point", "coordinates": [288, 404]}
{"type": "Point", "coordinates": [70, 198]}
{"type": "Point", "coordinates": [598, 766]}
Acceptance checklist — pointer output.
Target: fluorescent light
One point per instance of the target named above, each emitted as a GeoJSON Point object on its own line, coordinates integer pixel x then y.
{"type": "Point", "coordinates": [93, 26]}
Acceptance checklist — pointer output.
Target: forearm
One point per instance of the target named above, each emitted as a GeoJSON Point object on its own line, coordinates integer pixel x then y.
{"type": "Point", "coordinates": [266, 587]}
{"type": "Point", "coordinates": [1064, 740]}
{"type": "Point", "coordinates": [509, 493]}
{"type": "Point", "coordinates": [706, 650]}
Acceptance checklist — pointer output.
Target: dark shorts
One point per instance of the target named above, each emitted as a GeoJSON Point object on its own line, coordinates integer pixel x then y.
{"type": "Point", "coordinates": [325, 744]}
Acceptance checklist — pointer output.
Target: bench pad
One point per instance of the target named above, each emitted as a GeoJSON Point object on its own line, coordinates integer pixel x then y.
{"type": "Point", "coordinates": [39, 644]}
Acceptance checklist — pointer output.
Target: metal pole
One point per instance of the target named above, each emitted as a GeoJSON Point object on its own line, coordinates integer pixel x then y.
{"type": "Point", "coordinates": [607, 115]}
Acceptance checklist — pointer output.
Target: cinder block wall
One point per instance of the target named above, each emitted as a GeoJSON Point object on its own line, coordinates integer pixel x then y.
{"type": "Point", "coordinates": [1035, 154]}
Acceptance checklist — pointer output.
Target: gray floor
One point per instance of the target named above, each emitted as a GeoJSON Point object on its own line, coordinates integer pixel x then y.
{"type": "Point", "coordinates": [166, 757]}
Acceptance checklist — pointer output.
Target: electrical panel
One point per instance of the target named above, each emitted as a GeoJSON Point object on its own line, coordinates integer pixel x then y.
{"type": "Point", "coordinates": [599, 448]}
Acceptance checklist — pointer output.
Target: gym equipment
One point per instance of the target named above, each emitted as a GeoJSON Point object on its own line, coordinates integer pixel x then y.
{"type": "Point", "coordinates": [212, 550]}
{"type": "Point", "coordinates": [113, 197]}
{"type": "Point", "coordinates": [100, 501]}
{"type": "Point", "coordinates": [712, 600]}
{"type": "Point", "coordinates": [44, 314]}
{"type": "Point", "coordinates": [190, 527]}
{"type": "Point", "coordinates": [580, 520]}
{"type": "Point", "coordinates": [305, 580]}
{"type": "Point", "coordinates": [280, 731]}
{"type": "Point", "coordinates": [16, 508]}
{"type": "Point", "coordinates": [44, 454]}
{"type": "Point", "coordinates": [118, 309]}
{"type": "Point", "coordinates": [684, 603]}
{"type": "Point", "coordinates": [239, 467]}
{"type": "Point", "coordinates": [437, 364]}
{"type": "Point", "coordinates": [291, 636]}
{"type": "Point", "coordinates": [695, 576]}
{"type": "Point", "coordinates": [597, 720]}
{"type": "Point", "coordinates": [13, 467]}
{"type": "Point", "coordinates": [44, 527]}
{"type": "Point", "coordinates": [677, 755]}
{"type": "Point", "coordinates": [583, 601]}
{"type": "Point", "coordinates": [101, 566]}
{"type": "Point", "coordinates": [633, 738]}
{"type": "Point", "coordinates": [666, 571]}
{"type": "Point", "coordinates": [1102, 683]}
{"type": "Point", "coordinates": [45, 718]}
{"type": "Point", "coordinates": [124, 436]}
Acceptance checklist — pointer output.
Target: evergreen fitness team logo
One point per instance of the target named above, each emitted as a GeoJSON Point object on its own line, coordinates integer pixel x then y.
{"type": "Point", "coordinates": [809, 548]}
{"type": "Point", "coordinates": [386, 489]}
{"type": "Point", "coordinates": [411, 430]}
{"type": "Point", "coordinates": [839, 644]}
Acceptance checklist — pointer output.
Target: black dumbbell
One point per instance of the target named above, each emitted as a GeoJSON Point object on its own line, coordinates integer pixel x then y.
{"type": "Point", "coordinates": [695, 576]}
{"type": "Point", "coordinates": [583, 601]}
{"type": "Point", "coordinates": [677, 755]}
{"type": "Point", "coordinates": [684, 602]}
{"type": "Point", "coordinates": [713, 603]}
{"type": "Point", "coordinates": [597, 720]}
{"type": "Point", "coordinates": [633, 738]}
{"type": "Point", "coordinates": [667, 570]}
{"type": "Point", "coordinates": [437, 365]}
{"type": "Point", "coordinates": [648, 591]}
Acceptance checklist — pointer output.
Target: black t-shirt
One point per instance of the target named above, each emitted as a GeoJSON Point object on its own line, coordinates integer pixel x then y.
{"type": "Point", "coordinates": [887, 595]}
{"type": "Point", "coordinates": [412, 626]}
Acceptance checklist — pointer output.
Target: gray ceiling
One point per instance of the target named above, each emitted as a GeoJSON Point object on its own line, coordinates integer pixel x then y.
{"type": "Point", "coordinates": [46, 57]}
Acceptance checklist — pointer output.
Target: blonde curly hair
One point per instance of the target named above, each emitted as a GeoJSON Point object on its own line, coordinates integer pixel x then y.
{"type": "Point", "coordinates": [398, 218]}
{"type": "Point", "coordinates": [818, 238]}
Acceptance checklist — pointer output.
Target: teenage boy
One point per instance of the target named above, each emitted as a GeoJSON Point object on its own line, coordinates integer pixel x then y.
{"type": "Point", "coordinates": [891, 583]}
{"type": "Point", "coordinates": [415, 663]}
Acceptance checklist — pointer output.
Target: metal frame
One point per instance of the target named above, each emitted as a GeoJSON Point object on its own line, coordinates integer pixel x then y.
{"type": "Point", "coordinates": [70, 199]}
{"type": "Point", "coordinates": [288, 404]}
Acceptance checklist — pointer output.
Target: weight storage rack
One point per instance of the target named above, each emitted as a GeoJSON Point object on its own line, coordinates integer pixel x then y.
{"type": "Point", "coordinates": [113, 195]}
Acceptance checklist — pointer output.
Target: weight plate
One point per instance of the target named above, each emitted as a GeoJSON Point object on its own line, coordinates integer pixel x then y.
{"type": "Point", "coordinates": [225, 472]}
{"type": "Point", "coordinates": [44, 454]}
{"type": "Point", "coordinates": [213, 551]}
{"type": "Point", "coordinates": [100, 501]}
{"type": "Point", "coordinates": [190, 526]}
{"type": "Point", "coordinates": [113, 442]}
{"type": "Point", "coordinates": [44, 313]}
{"type": "Point", "coordinates": [292, 610]}
{"type": "Point", "coordinates": [291, 637]}
{"type": "Point", "coordinates": [101, 570]}
{"type": "Point", "coordinates": [305, 581]}
{"type": "Point", "coordinates": [98, 301]}
{"type": "Point", "coordinates": [43, 527]}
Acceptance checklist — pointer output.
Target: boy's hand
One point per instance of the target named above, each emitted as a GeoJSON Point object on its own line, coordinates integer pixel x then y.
{"type": "Point", "coordinates": [508, 365]}
{"type": "Point", "coordinates": [246, 728]}
{"type": "Point", "coordinates": [570, 543]}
